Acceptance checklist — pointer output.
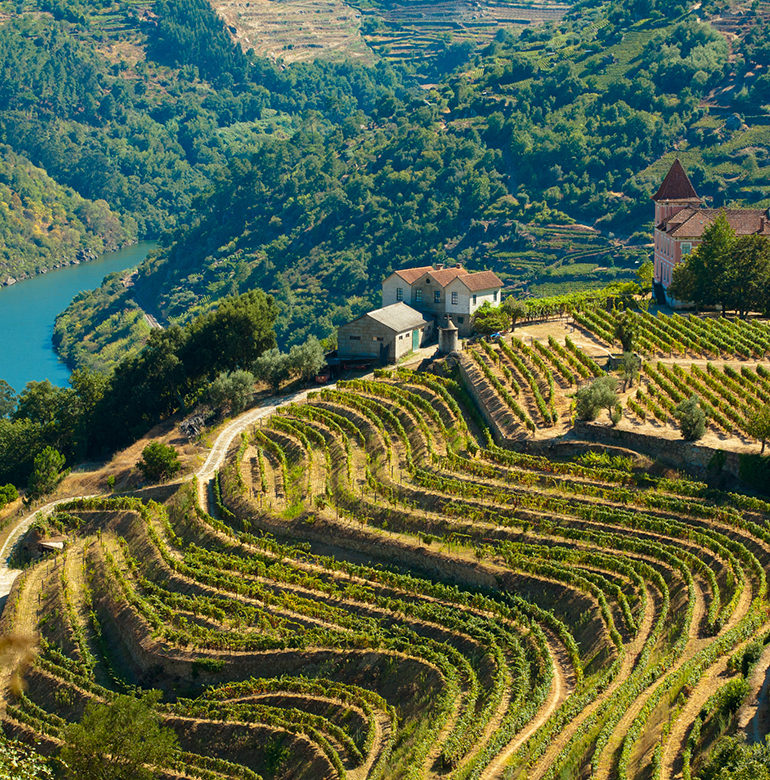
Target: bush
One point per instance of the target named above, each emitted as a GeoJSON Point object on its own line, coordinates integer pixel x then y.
{"type": "Point", "coordinates": [159, 462]}
{"type": "Point", "coordinates": [8, 493]}
{"type": "Point", "coordinates": [490, 319]}
{"type": "Point", "coordinates": [602, 393]}
{"type": "Point", "coordinates": [691, 418]}
{"type": "Point", "coordinates": [47, 472]}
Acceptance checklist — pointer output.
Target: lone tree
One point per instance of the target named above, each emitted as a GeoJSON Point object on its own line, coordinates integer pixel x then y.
{"type": "Point", "coordinates": [159, 462]}
{"type": "Point", "coordinates": [626, 329]}
{"type": "Point", "coordinates": [515, 308]}
{"type": "Point", "coordinates": [602, 393]}
{"type": "Point", "coordinates": [120, 740]}
{"type": "Point", "coordinates": [47, 472]}
{"type": "Point", "coordinates": [758, 425]}
{"type": "Point", "coordinates": [691, 418]}
{"type": "Point", "coordinates": [232, 391]}
{"type": "Point", "coordinates": [629, 368]}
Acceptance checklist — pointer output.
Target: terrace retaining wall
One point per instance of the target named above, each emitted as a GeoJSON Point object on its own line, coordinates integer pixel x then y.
{"type": "Point", "coordinates": [678, 453]}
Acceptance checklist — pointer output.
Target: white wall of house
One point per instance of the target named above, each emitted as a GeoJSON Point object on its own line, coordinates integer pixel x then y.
{"type": "Point", "coordinates": [465, 302]}
{"type": "Point", "coordinates": [390, 289]}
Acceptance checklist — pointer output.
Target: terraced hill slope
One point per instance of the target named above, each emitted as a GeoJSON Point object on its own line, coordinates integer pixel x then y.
{"type": "Point", "coordinates": [376, 589]}
{"type": "Point", "coordinates": [296, 30]}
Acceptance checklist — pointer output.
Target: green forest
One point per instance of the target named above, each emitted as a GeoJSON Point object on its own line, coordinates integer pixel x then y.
{"type": "Point", "coordinates": [44, 224]}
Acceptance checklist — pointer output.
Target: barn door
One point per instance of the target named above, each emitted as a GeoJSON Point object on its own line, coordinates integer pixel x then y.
{"type": "Point", "coordinates": [415, 339]}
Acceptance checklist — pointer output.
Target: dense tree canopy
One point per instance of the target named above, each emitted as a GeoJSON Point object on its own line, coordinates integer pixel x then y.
{"type": "Point", "coordinates": [725, 270]}
{"type": "Point", "coordinates": [100, 412]}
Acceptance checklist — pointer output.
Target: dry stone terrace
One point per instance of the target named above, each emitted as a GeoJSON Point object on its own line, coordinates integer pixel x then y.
{"type": "Point", "coordinates": [375, 589]}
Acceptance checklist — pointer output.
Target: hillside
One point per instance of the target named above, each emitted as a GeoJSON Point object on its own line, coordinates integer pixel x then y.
{"type": "Point", "coordinates": [371, 587]}
{"type": "Point", "coordinates": [140, 107]}
{"type": "Point", "coordinates": [44, 225]}
{"type": "Point", "coordinates": [533, 157]}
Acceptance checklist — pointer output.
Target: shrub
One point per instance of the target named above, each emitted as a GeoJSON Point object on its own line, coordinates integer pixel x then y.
{"type": "Point", "coordinates": [8, 493]}
{"type": "Point", "coordinates": [159, 462]}
{"type": "Point", "coordinates": [691, 418]}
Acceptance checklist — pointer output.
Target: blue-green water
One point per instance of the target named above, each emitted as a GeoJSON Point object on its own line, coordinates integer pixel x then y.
{"type": "Point", "coordinates": [28, 310]}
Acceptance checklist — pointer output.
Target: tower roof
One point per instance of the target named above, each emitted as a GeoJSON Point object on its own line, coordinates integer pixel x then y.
{"type": "Point", "coordinates": [676, 185]}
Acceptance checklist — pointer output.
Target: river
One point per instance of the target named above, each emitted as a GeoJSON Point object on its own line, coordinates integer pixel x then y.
{"type": "Point", "coordinates": [28, 310]}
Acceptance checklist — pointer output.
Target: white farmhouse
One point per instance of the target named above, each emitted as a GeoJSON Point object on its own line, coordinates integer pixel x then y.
{"type": "Point", "coordinates": [443, 294]}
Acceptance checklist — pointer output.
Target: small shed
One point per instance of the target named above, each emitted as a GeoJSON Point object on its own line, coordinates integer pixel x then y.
{"type": "Point", "coordinates": [37, 545]}
{"type": "Point", "coordinates": [385, 334]}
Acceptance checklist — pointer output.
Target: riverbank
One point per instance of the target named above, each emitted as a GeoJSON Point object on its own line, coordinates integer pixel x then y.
{"type": "Point", "coordinates": [29, 307]}
{"type": "Point", "coordinates": [82, 256]}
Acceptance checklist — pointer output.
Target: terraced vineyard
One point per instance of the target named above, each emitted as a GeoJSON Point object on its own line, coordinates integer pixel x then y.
{"type": "Point", "coordinates": [685, 336]}
{"type": "Point", "coordinates": [405, 30]}
{"type": "Point", "coordinates": [565, 258]}
{"type": "Point", "coordinates": [525, 388]}
{"type": "Point", "coordinates": [729, 392]}
{"type": "Point", "coordinates": [377, 590]}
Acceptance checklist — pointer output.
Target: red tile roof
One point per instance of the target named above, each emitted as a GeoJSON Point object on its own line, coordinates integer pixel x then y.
{"type": "Point", "coordinates": [745, 222]}
{"type": "Point", "coordinates": [411, 275]}
{"type": "Point", "coordinates": [676, 185]}
{"type": "Point", "coordinates": [442, 276]}
{"type": "Point", "coordinates": [482, 280]}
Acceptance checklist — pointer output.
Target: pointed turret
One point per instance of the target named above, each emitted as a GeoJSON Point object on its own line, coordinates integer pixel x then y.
{"type": "Point", "coordinates": [677, 186]}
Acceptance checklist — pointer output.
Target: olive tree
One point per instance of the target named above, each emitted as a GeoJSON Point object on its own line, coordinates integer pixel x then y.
{"type": "Point", "coordinates": [691, 418]}
{"type": "Point", "coordinates": [602, 393]}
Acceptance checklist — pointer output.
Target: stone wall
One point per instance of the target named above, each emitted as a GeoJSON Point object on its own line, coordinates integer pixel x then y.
{"type": "Point", "coordinates": [496, 414]}
{"type": "Point", "coordinates": [678, 453]}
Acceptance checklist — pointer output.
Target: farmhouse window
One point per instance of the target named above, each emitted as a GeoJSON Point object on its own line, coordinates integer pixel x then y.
{"type": "Point", "coordinates": [455, 297]}
{"type": "Point", "coordinates": [686, 249]}
{"type": "Point", "coordinates": [494, 295]}
{"type": "Point", "coordinates": [376, 338]}
{"type": "Point", "coordinates": [399, 293]}
{"type": "Point", "coordinates": [418, 296]}
{"type": "Point", "coordinates": [474, 300]}
{"type": "Point", "coordinates": [437, 296]}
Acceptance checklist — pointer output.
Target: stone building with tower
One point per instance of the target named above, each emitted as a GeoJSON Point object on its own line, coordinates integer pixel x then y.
{"type": "Point", "coordinates": [680, 221]}
{"type": "Point", "coordinates": [417, 304]}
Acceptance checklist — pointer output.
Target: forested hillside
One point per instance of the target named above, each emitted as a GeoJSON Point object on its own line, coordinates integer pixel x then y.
{"type": "Point", "coordinates": [534, 155]}
{"type": "Point", "coordinates": [43, 224]}
{"type": "Point", "coordinates": [140, 105]}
